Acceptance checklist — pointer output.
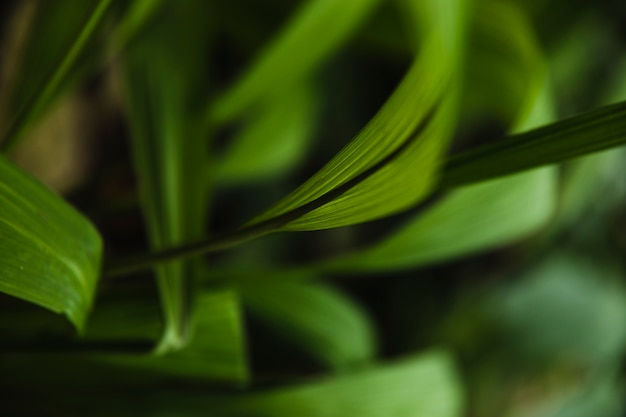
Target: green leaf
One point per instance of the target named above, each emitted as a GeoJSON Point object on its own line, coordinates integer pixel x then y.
{"type": "Point", "coordinates": [49, 254]}
{"type": "Point", "coordinates": [61, 32]}
{"type": "Point", "coordinates": [217, 349]}
{"type": "Point", "coordinates": [305, 42]}
{"type": "Point", "coordinates": [273, 141]}
{"type": "Point", "coordinates": [580, 135]}
{"type": "Point", "coordinates": [420, 386]}
{"type": "Point", "coordinates": [317, 318]}
{"type": "Point", "coordinates": [570, 292]}
{"type": "Point", "coordinates": [165, 66]}
{"type": "Point", "coordinates": [368, 178]}
{"type": "Point", "coordinates": [470, 220]}
{"type": "Point", "coordinates": [505, 70]}
{"type": "Point", "coordinates": [493, 213]}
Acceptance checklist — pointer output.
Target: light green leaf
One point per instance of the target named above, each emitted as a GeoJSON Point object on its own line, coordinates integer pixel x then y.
{"type": "Point", "coordinates": [317, 318]}
{"type": "Point", "coordinates": [586, 133]}
{"type": "Point", "coordinates": [318, 29]}
{"type": "Point", "coordinates": [49, 254]}
{"type": "Point", "coordinates": [421, 386]}
{"type": "Point", "coordinates": [470, 220]}
{"type": "Point", "coordinates": [493, 213]}
{"type": "Point", "coordinates": [273, 141]}
{"type": "Point", "coordinates": [391, 163]}
{"type": "Point", "coordinates": [165, 66]}
{"type": "Point", "coordinates": [61, 32]}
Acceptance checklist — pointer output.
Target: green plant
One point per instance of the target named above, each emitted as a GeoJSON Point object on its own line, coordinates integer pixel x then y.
{"type": "Point", "coordinates": [418, 186]}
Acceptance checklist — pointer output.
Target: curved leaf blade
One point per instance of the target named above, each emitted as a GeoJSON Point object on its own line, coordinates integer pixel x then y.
{"type": "Point", "coordinates": [49, 254]}
{"type": "Point", "coordinates": [400, 146]}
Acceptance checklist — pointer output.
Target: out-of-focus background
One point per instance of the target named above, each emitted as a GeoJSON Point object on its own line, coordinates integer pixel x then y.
{"type": "Point", "coordinates": [537, 323]}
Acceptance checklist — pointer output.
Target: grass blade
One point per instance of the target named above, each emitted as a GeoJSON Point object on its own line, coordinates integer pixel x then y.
{"type": "Point", "coordinates": [580, 135]}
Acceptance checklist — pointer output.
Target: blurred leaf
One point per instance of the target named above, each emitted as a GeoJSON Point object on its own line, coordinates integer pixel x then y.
{"type": "Point", "coordinates": [589, 132]}
{"type": "Point", "coordinates": [60, 34]}
{"type": "Point", "coordinates": [422, 386]}
{"type": "Point", "coordinates": [505, 71]}
{"type": "Point", "coordinates": [318, 29]}
{"type": "Point", "coordinates": [471, 219]}
{"type": "Point", "coordinates": [165, 66]}
{"type": "Point", "coordinates": [391, 163]}
{"type": "Point", "coordinates": [317, 318]}
{"type": "Point", "coordinates": [49, 254]}
{"type": "Point", "coordinates": [566, 308]}
{"type": "Point", "coordinates": [272, 142]}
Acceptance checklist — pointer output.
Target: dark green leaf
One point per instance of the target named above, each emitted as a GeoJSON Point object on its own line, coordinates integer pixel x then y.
{"type": "Point", "coordinates": [580, 135]}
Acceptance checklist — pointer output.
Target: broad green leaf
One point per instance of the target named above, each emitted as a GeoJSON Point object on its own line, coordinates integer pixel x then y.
{"type": "Point", "coordinates": [164, 68]}
{"type": "Point", "coordinates": [318, 29]}
{"type": "Point", "coordinates": [470, 220]}
{"type": "Point", "coordinates": [391, 163]}
{"type": "Point", "coordinates": [273, 141]}
{"type": "Point", "coordinates": [422, 386]}
{"type": "Point", "coordinates": [49, 254]}
{"type": "Point", "coordinates": [60, 34]}
{"type": "Point", "coordinates": [580, 135]}
{"type": "Point", "coordinates": [316, 317]}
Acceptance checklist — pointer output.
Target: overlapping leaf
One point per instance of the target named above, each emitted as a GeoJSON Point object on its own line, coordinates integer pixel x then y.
{"type": "Point", "coordinates": [495, 212]}
{"type": "Point", "coordinates": [49, 254]}
{"type": "Point", "coordinates": [318, 29]}
{"type": "Point", "coordinates": [317, 318]}
{"type": "Point", "coordinates": [392, 162]}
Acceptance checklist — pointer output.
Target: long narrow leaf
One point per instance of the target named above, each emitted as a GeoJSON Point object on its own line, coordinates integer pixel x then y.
{"type": "Point", "coordinates": [164, 69]}
{"type": "Point", "coordinates": [49, 254]}
{"type": "Point", "coordinates": [391, 164]}
{"type": "Point", "coordinates": [580, 135]}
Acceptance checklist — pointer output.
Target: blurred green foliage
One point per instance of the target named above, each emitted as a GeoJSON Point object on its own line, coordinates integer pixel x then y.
{"type": "Point", "coordinates": [464, 251]}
